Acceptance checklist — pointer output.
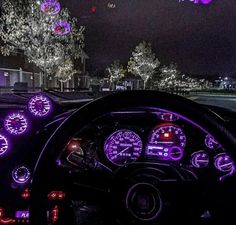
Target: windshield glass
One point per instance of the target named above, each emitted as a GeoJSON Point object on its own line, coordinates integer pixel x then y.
{"type": "Point", "coordinates": [185, 47]}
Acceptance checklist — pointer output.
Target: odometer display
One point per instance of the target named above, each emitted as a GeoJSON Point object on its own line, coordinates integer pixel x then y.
{"type": "Point", "coordinates": [122, 147]}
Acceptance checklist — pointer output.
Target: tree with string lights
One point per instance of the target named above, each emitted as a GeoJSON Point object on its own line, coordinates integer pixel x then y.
{"type": "Point", "coordinates": [116, 72]}
{"type": "Point", "coordinates": [143, 62]}
{"type": "Point", "coordinates": [47, 34]}
{"type": "Point", "coordinates": [169, 77]}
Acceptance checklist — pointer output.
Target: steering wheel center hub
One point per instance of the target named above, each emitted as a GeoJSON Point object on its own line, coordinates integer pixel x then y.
{"type": "Point", "coordinates": [143, 201]}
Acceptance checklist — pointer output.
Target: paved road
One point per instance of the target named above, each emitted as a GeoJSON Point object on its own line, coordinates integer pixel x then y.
{"type": "Point", "coordinates": [221, 100]}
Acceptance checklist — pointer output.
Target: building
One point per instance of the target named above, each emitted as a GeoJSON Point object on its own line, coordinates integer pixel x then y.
{"type": "Point", "coordinates": [15, 74]}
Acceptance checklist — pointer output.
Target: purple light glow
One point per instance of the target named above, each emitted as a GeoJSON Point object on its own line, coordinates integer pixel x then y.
{"type": "Point", "coordinates": [205, 2]}
{"type": "Point", "coordinates": [123, 146]}
{"type": "Point", "coordinates": [4, 146]}
{"type": "Point", "coordinates": [224, 163]}
{"type": "Point", "coordinates": [51, 7]}
{"type": "Point", "coordinates": [40, 106]}
{"type": "Point", "coordinates": [202, 2]}
{"type": "Point", "coordinates": [21, 174]}
{"type": "Point", "coordinates": [16, 124]}
{"type": "Point", "coordinates": [211, 143]}
{"type": "Point", "coordinates": [61, 27]}
{"type": "Point", "coordinates": [165, 153]}
{"type": "Point", "coordinates": [22, 214]}
{"type": "Point", "coordinates": [200, 159]}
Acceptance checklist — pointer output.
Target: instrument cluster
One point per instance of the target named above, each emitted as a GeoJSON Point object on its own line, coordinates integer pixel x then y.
{"type": "Point", "coordinates": [126, 137]}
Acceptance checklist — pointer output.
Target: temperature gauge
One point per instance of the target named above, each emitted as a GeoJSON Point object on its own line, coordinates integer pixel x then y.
{"type": "Point", "coordinates": [200, 159]}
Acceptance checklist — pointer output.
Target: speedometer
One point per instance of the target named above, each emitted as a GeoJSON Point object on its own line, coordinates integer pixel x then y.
{"type": "Point", "coordinates": [122, 147]}
{"type": "Point", "coordinates": [167, 141]}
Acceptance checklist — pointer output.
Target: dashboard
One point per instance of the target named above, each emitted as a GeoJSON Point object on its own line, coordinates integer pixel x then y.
{"type": "Point", "coordinates": [114, 141]}
{"type": "Point", "coordinates": [147, 135]}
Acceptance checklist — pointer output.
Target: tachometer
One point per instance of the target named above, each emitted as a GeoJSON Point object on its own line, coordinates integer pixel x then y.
{"type": "Point", "coordinates": [167, 141]}
{"type": "Point", "coordinates": [123, 146]}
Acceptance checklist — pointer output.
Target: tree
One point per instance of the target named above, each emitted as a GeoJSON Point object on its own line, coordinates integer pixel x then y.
{"type": "Point", "coordinates": [143, 62]}
{"type": "Point", "coordinates": [23, 26]}
{"type": "Point", "coordinates": [116, 72]}
{"type": "Point", "coordinates": [170, 77]}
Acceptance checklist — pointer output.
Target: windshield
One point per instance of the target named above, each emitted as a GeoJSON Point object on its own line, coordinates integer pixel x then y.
{"type": "Point", "coordinates": [185, 47]}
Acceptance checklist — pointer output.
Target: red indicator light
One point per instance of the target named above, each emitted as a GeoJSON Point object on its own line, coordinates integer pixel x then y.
{"type": "Point", "coordinates": [56, 195]}
{"type": "Point", "coordinates": [25, 194]}
{"type": "Point", "coordinates": [166, 135]}
{"type": "Point", "coordinates": [55, 214]}
{"type": "Point", "coordinates": [93, 9]}
{"type": "Point", "coordinates": [7, 221]}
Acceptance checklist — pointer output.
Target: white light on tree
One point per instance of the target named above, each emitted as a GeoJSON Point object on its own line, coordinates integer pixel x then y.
{"type": "Point", "coordinates": [66, 71]}
{"type": "Point", "coordinates": [143, 62]}
{"type": "Point", "coordinates": [23, 26]}
{"type": "Point", "coordinates": [116, 72]}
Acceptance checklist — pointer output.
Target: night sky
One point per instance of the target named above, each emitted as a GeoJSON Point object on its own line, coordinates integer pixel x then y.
{"type": "Point", "coordinates": [200, 39]}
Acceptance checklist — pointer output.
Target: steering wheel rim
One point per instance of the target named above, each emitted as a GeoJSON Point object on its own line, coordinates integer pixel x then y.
{"type": "Point", "coordinates": [193, 111]}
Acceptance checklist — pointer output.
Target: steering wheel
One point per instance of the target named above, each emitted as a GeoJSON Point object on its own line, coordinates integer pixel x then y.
{"type": "Point", "coordinates": [142, 180]}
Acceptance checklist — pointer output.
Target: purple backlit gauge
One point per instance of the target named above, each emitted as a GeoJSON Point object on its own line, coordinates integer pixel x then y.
{"type": "Point", "coordinates": [224, 163]}
{"type": "Point", "coordinates": [4, 145]}
{"type": "Point", "coordinates": [40, 106]}
{"type": "Point", "coordinates": [51, 7]}
{"type": "Point", "coordinates": [200, 159]}
{"type": "Point", "coordinates": [211, 143]}
{"type": "Point", "coordinates": [175, 153]}
{"type": "Point", "coordinates": [169, 135]}
{"type": "Point", "coordinates": [21, 174]}
{"type": "Point", "coordinates": [122, 147]}
{"type": "Point", "coordinates": [167, 142]}
{"type": "Point", "coordinates": [16, 123]}
{"type": "Point", "coordinates": [61, 27]}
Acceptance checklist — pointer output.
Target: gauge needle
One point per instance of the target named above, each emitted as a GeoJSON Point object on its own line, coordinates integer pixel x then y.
{"type": "Point", "coordinates": [120, 153]}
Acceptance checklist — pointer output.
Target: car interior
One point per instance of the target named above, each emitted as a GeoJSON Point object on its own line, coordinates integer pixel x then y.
{"type": "Point", "coordinates": [141, 154]}
{"type": "Point", "coordinates": [151, 158]}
